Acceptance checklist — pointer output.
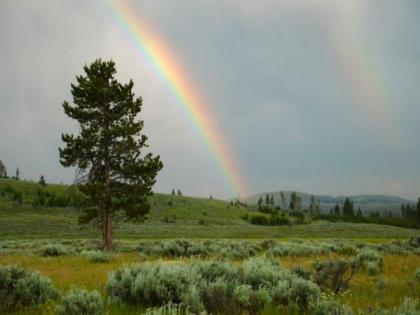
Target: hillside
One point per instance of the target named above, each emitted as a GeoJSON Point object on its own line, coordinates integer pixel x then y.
{"type": "Point", "coordinates": [170, 217]}
{"type": "Point", "coordinates": [368, 203]}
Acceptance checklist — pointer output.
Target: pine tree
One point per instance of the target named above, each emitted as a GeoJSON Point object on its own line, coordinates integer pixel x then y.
{"type": "Point", "coordinates": [42, 181]}
{"type": "Point", "coordinates": [116, 175]}
{"type": "Point", "coordinates": [312, 205]}
{"type": "Point", "coordinates": [17, 177]}
{"type": "Point", "coordinates": [267, 199]}
{"type": "Point", "coordinates": [359, 213]}
{"type": "Point", "coordinates": [179, 193]}
{"type": "Point", "coordinates": [337, 209]}
{"type": "Point", "coordinates": [3, 173]}
{"type": "Point", "coordinates": [173, 192]}
{"type": "Point", "coordinates": [418, 210]}
{"type": "Point", "coordinates": [283, 200]}
{"type": "Point", "coordinates": [260, 201]}
{"type": "Point", "coordinates": [272, 200]}
{"type": "Point", "coordinates": [348, 208]}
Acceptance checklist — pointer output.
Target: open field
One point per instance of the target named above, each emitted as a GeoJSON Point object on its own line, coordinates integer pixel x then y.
{"type": "Point", "coordinates": [186, 233]}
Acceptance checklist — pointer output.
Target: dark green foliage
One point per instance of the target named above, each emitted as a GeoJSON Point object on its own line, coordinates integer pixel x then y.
{"type": "Point", "coordinates": [20, 288]}
{"type": "Point", "coordinates": [295, 202]}
{"type": "Point", "coordinates": [117, 175]}
{"type": "Point", "coordinates": [348, 208]}
{"type": "Point", "coordinates": [3, 172]}
{"type": "Point", "coordinates": [54, 250]}
{"type": "Point", "coordinates": [335, 275]}
{"type": "Point", "coordinates": [79, 302]}
{"type": "Point", "coordinates": [17, 174]}
{"type": "Point", "coordinates": [42, 181]}
{"type": "Point", "coordinates": [179, 193]}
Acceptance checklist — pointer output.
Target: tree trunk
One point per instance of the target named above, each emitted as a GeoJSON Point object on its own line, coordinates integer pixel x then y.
{"type": "Point", "coordinates": [107, 232]}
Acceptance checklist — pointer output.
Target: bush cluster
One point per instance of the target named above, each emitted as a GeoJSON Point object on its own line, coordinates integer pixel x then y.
{"type": "Point", "coordinates": [96, 256]}
{"type": "Point", "coordinates": [20, 288]}
{"type": "Point", "coordinates": [54, 250]}
{"type": "Point", "coordinates": [186, 248]}
{"type": "Point", "coordinates": [80, 301]}
{"type": "Point", "coordinates": [371, 260]}
{"type": "Point", "coordinates": [213, 286]}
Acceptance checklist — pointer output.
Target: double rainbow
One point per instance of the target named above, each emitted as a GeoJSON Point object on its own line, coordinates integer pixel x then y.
{"type": "Point", "coordinates": [149, 47]}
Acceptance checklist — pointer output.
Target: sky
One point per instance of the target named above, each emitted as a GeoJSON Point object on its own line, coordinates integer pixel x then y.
{"type": "Point", "coordinates": [318, 96]}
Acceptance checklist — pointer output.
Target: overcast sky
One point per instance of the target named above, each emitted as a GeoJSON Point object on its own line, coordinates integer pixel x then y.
{"type": "Point", "coordinates": [315, 96]}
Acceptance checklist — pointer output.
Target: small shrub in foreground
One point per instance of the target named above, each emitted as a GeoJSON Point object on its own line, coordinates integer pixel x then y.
{"type": "Point", "coordinates": [417, 274]}
{"type": "Point", "coordinates": [169, 309]}
{"type": "Point", "coordinates": [335, 275]}
{"type": "Point", "coordinates": [20, 288]}
{"type": "Point", "coordinates": [80, 301]}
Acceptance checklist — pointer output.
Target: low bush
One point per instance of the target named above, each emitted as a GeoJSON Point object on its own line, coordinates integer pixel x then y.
{"type": "Point", "coordinates": [409, 306]}
{"type": "Point", "coordinates": [212, 286]}
{"type": "Point", "coordinates": [80, 301]}
{"type": "Point", "coordinates": [169, 309]}
{"type": "Point", "coordinates": [371, 261]}
{"type": "Point", "coordinates": [417, 274]}
{"type": "Point", "coordinates": [96, 256]}
{"type": "Point", "coordinates": [20, 288]}
{"type": "Point", "coordinates": [373, 268]}
{"type": "Point", "coordinates": [54, 250]}
{"type": "Point", "coordinates": [335, 275]}
{"type": "Point", "coordinates": [326, 307]}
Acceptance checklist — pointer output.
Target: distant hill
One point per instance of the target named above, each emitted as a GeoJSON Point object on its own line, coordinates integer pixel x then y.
{"type": "Point", "coordinates": [368, 203]}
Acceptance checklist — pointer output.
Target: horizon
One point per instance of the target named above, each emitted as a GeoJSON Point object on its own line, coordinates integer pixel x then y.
{"type": "Point", "coordinates": [317, 96]}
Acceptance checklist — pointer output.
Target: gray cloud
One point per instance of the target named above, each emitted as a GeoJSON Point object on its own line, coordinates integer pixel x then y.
{"type": "Point", "coordinates": [267, 70]}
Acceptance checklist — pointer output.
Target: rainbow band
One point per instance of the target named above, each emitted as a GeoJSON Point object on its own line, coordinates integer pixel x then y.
{"type": "Point", "coordinates": [152, 49]}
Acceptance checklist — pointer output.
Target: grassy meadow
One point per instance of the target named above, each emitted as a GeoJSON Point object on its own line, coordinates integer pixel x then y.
{"type": "Point", "coordinates": [186, 232]}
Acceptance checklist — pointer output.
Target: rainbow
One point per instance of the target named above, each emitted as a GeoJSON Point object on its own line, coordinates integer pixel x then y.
{"type": "Point", "coordinates": [149, 47]}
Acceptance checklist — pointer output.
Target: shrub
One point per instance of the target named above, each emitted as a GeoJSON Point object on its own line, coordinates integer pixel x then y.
{"type": "Point", "coordinates": [212, 286]}
{"type": "Point", "coordinates": [54, 250]}
{"type": "Point", "coordinates": [80, 301]}
{"type": "Point", "coordinates": [417, 274]}
{"type": "Point", "coordinates": [96, 256]}
{"type": "Point", "coordinates": [409, 306]}
{"type": "Point", "coordinates": [20, 288]}
{"type": "Point", "coordinates": [335, 275]}
{"type": "Point", "coordinates": [372, 268]}
{"type": "Point", "coordinates": [169, 309]}
{"type": "Point", "coordinates": [369, 255]}
{"type": "Point", "coordinates": [301, 272]}
{"type": "Point", "coordinates": [326, 307]}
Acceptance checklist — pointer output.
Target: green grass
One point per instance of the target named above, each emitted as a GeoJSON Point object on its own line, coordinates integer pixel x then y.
{"type": "Point", "coordinates": [170, 217]}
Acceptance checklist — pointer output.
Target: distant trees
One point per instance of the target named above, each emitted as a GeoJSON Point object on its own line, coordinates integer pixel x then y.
{"type": "Point", "coordinates": [314, 207]}
{"type": "Point", "coordinates": [295, 202]}
{"type": "Point", "coordinates": [283, 200]}
{"type": "Point", "coordinates": [260, 201]}
{"type": "Point", "coordinates": [418, 209]}
{"type": "Point", "coordinates": [3, 172]}
{"type": "Point", "coordinates": [348, 208]}
{"type": "Point", "coordinates": [179, 193]}
{"type": "Point", "coordinates": [116, 175]}
{"type": "Point", "coordinates": [267, 199]}
{"type": "Point", "coordinates": [42, 181]}
{"type": "Point", "coordinates": [173, 192]}
{"type": "Point", "coordinates": [337, 209]}
{"type": "Point", "coordinates": [17, 174]}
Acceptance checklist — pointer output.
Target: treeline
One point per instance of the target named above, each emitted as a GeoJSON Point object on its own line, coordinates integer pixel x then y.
{"type": "Point", "coordinates": [410, 215]}
{"type": "Point", "coordinates": [43, 197]}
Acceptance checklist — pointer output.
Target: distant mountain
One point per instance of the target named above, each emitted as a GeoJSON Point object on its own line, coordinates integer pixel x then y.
{"type": "Point", "coordinates": [368, 203]}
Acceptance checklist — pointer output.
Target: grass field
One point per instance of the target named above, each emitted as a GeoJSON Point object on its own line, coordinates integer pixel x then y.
{"type": "Point", "coordinates": [212, 224]}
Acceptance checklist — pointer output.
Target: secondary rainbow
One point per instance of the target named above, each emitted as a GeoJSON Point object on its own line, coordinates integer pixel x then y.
{"type": "Point", "coordinates": [151, 48]}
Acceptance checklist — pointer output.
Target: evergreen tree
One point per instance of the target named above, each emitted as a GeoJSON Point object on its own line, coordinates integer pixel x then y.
{"type": "Point", "coordinates": [418, 210]}
{"type": "Point", "coordinates": [359, 213]}
{"type": "Point", "coordinates": [283, 200]}
{"type": "Point", "coordinates": [3, 173]}
{"type": "Point", "coordinates": [272, 200]}
{"type": "Point", "coordinates": [260, 201]}
{"type": "Point", "coordinates": [42, 181]}
{"type": "Point", "coordinates": [173, 192]}
{"type": "Point", "coordinates": [267, 199]}
{"type": "Point", "coordinates": [337, 209]}
{"type": "Point", "coordinates": [17, 177]}
{"type": "Point", "coordinates": [116, 175]}
{"type": "Point", "coordinates": [179, 193]}
{"type": "Point", "coordinates": [348, 208]}
{"type": "Point", "coordinates": [312, 205]}
{"type": "Point", "coordinates": [295, 202]}
{"type": "Point", "coordinates": [211, 197]}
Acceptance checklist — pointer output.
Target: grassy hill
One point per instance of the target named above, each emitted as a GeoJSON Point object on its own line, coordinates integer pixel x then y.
{"type": "Point", "coordinates": [368, 203]}
{"type": "Point", "coordinates": [170, 217]}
